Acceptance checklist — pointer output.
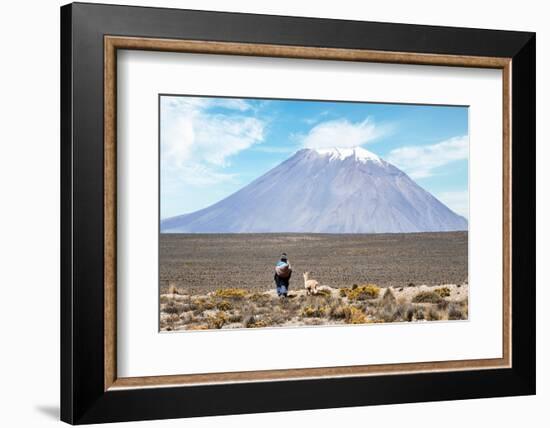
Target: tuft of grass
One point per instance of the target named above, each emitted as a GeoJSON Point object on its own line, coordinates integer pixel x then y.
{"type": "Point", "coordinates": [224, 305]}
{"type": "Point", "coordinates": [353, 315]}
{"type": "Point", "coordinates": [173, 308]}
{"type": "Point", "coordinates": [217, 321]}
{"type": "Point", "coordinates": [200, 305]}
{"type": "Point", "coordinates": [230, 293]}
{"type": "Point", "coordinates": [235, 317]}
{"type": "Point", "coordinates": [427, 297]}
{"type": "Point", "coordinates": [419, 314]}
{"type": "Point", "coordinates": [314, 311]}
{"type": "Point", "coordinates": [260, 298]}
{"type": "Point", "coordinates": [388, 298]}
{"type": "Point", "coordinates": [337, 312]}
{"type": "Point", "coordinates": [363, 292]}
{"type": "Point", "coordinates": [172, 289]}
{"type": "Point", "coordinates": [255, 322]}
{"type": "Point", "coordinates": [433, 315]}
{"type": "Point", "coordinates": [443, 291]}
{"type": "Point", "coordinates": [457, 311]}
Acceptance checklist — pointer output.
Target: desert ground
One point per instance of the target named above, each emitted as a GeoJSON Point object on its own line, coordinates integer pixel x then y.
{"type": "Point", "coordinates": [210, 281]}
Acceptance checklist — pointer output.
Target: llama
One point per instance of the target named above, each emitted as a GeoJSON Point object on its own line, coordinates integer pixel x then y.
{"type": "Point", "coordinates": [310, 284]}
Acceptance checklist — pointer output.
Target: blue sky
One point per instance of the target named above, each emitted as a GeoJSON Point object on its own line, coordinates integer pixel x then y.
{"type": "Point", "coordinates": [212, 147]}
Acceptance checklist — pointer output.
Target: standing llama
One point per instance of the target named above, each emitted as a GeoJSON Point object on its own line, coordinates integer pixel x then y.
{"type": "Point", "coordinates": [310, 284]}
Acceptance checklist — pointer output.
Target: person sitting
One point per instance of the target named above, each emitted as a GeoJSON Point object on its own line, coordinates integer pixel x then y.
{"type": "Point", "coordinates": [283, 272]}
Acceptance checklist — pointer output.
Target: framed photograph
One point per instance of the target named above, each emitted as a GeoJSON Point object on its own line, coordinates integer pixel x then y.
{"type": "Point", "coordinates": [340, 213]}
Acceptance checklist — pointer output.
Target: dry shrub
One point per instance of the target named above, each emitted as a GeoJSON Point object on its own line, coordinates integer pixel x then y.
{"type": "Point", "coordinates": [254, 322]}
{"type": "Point", "coordinates": [235, 317]}
{"type": "Point", "coordinates": [433, 315]}
{"type": "Point", "coordinates": [224, 305]}
{"type": "Point", "coordinates": [278, 317]}
{"type": "Point", "coordinates": [172, 289]}
{"type": "Point", "coordinates": [388, 298]}
{"type": "Point", "coordinates": [354, 315]}
{"type": "Point", "coordinates": [230, 293]}
{"type": "Point", "coordinates": [216, 321]}
{"type": "Point", "coordinates": [443, 291]}
{"type": "Point", "coordinates": [337, 312]}
{"type": "Point", "coordinates": [442, 305]}
{"type": "Point", "coordinates": [260, 298]}
{"type": "Point", "coordinates": [173, 308]}
{"type": "Point", "coordinates": [200, 305]}
{"type": "Point", "coordinates": [457, 311]}
{"type": "Point", "coordinates": [427, 297]}
{"type": "Point", "coordinates": [362, 292]}
{"type": "Point", "coordinates": [314, 311]}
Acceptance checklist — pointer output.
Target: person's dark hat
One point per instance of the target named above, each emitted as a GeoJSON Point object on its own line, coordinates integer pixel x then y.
{"type": "Point", "coordinates": [284, 256]}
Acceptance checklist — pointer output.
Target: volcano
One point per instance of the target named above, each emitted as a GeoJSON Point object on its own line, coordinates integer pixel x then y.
{"type": "Point", "coordinates": [336, 190]}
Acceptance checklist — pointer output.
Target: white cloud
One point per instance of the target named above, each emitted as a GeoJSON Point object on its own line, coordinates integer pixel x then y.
{"type": "Point", "coordinates": [197, 143]}
{"type": "Point", "coordinates": [315, 119]}
{"type": "Point", "coordinates": [232, 104]}
{"type": "Point", "coordinates": [421, 161]}
{"type": "Point", "coordinates": [343, 133]}
{"type": "Point", "coordinates": [457, 201]}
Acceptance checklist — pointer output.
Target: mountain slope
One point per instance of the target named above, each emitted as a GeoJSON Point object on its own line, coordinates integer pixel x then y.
{"type": "Point", "coordinates": [325, 191]}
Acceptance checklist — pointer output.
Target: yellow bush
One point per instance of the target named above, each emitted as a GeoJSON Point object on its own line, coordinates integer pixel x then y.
{"type": "Point", "coordinates": [363, 292]}
{"type": "Point", "coordinates": [230, 293]}
{"type": "Point", "coordinates": [354, 315]}
{"type": "Point", "coordinates": [201, 304]}
{"type": "Point", "coordinates": [259, 324]}
{"type": "Point", "coordinates": [224, 305]}
{"type": "Point", "coordinates": [254, 322]}
{"type": "Point", "coordinates": [314, 311]}
{"type": "Point", "coordinates": [443, 291]}
{"type": "Point", "coordinates": [217, 321]}
{"type": "Point", "coordinates": [427, 297]}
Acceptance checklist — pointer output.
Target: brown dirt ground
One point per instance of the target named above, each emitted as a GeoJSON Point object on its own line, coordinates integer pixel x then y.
{"type": "Point", "coordinates": [201, 263]}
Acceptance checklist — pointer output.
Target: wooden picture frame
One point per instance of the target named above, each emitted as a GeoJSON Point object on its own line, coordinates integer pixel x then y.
{"type": "Point", "coordinates": [91, 390]}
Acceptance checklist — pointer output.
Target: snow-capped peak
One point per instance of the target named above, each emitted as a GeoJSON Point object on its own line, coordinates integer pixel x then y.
{"type": "Point", "coordinates": [359, 153]}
